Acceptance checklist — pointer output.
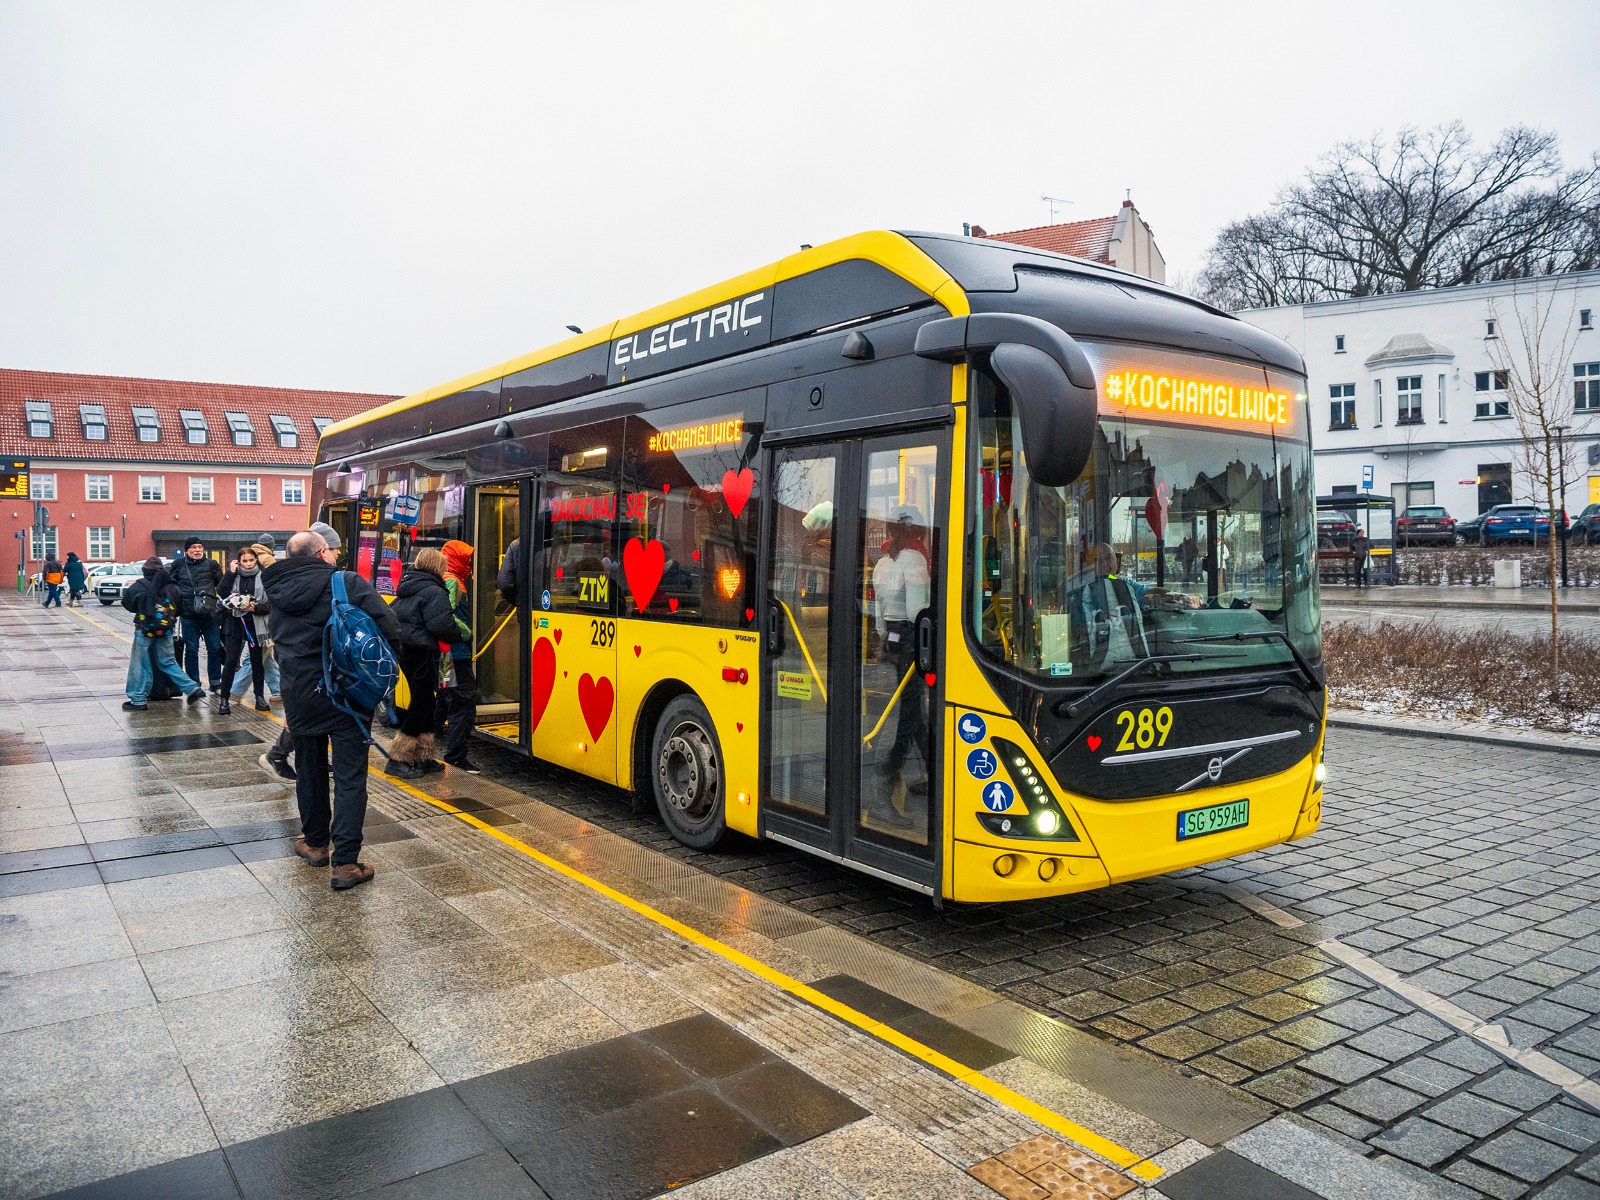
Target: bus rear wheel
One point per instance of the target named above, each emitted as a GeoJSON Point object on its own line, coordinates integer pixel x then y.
{"type": "Point", "coordinates": [686, 770]}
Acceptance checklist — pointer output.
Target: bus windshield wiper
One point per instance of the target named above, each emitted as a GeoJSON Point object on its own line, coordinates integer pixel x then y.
{"type": "Point", "coordinates": [1301, 661]}
{"type": "Point", "coordinates": [1137, 665]}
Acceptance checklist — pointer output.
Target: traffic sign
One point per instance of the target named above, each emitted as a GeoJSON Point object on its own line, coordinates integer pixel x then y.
{"type": "Point", "coordinates": [1366, 478]}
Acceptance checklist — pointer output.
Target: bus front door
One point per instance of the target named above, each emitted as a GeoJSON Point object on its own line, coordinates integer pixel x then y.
{"type": "Point", "coordinates": [850, 692]}
{"type": "Point", "coordinates": [497, 618]}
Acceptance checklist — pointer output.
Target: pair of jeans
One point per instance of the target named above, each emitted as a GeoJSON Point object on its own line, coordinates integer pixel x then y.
{"type": "Point", "coordinates": [148, 656]}
{"type": "Point", "coordinates": [342, 820]}
{"type": "Point", "coordinates": [54, 596]}
{"type": "Point", "coordinates": [207, 628]}
{"type": "Point", "coordinates": [457, 711]}
{"type": "Point", "coordinates": [270, 670]}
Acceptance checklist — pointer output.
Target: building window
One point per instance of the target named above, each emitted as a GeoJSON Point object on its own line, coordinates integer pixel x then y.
{"type": "Point", "coordinates": [1442, 416]}
{"type": "Point", "coordinates": [93, 417]}
{"type": "Point", "coordinates": [97, 487]}
{"type": "Point", "coordinates": [200, 491]}
{"type": "Point", "coordinates": [42, 485]}
{"type": "Point", "coordinates": [1419, 493]}
{"type": "Point", "coordinates": [1377, 404]}
{"type": "Point", "coordinates": [100, 547]}
{"type": "Point", "coordinates": [294, 491]}
{"type": "Point", "coordinates": [1491, 388]}
{"type": "Point", "coordinates": [47, 546]}
{"type": "Point", "coordinates": [152, 487]}
{"type": "Point", "coordinates": [1338, 343]}
{"type": "Point", "coordinates": [249, 490]}
{"type": "Point", "coordinates": [1490, 329]}
{"type": "Point", "coordinates": [146, 425]}
{"type": "Point", "coordinates": [321, 423]}
{"type": "Point", "coordinates": [41, 424]}
{"type": "Point", "coordinates": [1342, 405]}
{"type": "Point", "coordinates": [288, 435]}
{"type": "Point", "coordinates": [1344, 489]}
{"type": "Point", "coordinates": [194, 426]}
{"type": "Point", "coordinates": [1586, 387]}
{"type": "Point", "coordinates": [1586, 318]}
{"type": "Point", "coordinates": [244, 433]}
{"type": "Point", "coordinates": [1408, 400]}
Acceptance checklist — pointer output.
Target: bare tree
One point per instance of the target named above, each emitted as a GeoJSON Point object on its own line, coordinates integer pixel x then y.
{"type": "Point", "coordinates": [1425, 210]}
{"type": "Point", "coordinates": [1537, 330]}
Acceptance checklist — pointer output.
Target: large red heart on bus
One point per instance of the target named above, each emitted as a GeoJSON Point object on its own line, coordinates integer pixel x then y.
{"type": "Point", "coordinates": [736, 487]}
{"type": "Point", "coordinates": [642, 564]}
{"type": "Point", "coordinates": [542, 679]}
{"type": "Point", "coordinates": [595, 698]}
{"type": "Point", "coordinates": [1155, 509]}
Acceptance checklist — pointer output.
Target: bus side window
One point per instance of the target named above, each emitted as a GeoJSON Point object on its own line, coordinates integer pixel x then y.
{"type": "Point", "coordinates": [579, 508]}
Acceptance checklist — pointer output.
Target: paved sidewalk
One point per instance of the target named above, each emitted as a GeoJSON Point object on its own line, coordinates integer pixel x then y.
{"type": "Point", "coordinates": [1573, 599]}
{"type": "Point", "coordinates": [520, 1004]}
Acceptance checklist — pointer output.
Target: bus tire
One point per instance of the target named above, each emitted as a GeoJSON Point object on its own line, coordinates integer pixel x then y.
{"type": "Point", "coordinates": [686, 772]}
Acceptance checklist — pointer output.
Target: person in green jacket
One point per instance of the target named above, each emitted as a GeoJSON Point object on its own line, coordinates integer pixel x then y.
{"type": "Point", "coordinates": [77, 580]}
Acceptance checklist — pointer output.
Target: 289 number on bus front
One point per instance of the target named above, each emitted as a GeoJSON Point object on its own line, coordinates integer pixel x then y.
{"type": "Point", "coordinates": [1144, 728]}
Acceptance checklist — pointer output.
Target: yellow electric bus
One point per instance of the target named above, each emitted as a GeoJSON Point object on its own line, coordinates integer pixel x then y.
{"type": "Point", "coordinates": [980, 569]}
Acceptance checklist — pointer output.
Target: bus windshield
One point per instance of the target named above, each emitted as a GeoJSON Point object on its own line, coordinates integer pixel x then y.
{"type": "Point", "coordinates": [1193, 541]}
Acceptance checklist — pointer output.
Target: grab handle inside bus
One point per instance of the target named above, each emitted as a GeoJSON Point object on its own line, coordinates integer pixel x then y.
{"type": "Point", "coordinates": [1048, 375]}
{"type": "Point", "coordinates": [925, 656]}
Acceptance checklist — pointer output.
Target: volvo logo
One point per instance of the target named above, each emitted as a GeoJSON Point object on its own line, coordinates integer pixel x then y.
{"type": "Point", "coordinates": [1214, 769]}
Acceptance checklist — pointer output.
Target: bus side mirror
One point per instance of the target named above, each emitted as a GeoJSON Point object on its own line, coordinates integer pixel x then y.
{"type": "Point", "coordinates": [1047, 374]}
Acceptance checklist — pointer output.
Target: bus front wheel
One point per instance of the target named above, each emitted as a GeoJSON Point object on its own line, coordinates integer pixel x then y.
{"type": "Point", "coordinates": [686, 769]}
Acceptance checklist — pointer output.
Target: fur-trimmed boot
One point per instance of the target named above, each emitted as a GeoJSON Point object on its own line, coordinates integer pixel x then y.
{"type": "Point", "coordinates": [405, 757]}
{"type": "Point", "coordinates": [426, 749]}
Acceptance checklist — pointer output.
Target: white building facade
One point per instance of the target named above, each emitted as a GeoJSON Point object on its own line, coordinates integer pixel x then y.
{"type": "Point", "coordinates": [1408, 389]}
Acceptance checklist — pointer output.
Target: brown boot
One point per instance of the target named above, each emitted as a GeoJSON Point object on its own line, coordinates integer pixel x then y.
{"type": "Point", "coordinates": [350, 875]}
{"type": "Point", "coordinates": [317, 856]}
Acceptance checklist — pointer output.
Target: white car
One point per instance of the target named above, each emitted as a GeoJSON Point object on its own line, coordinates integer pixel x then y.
{"type": "Point", "coordinates": [108, 585]}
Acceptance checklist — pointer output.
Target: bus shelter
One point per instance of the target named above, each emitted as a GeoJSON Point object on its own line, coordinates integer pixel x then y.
{"type": "Point", "coordinates": [1374, 515]}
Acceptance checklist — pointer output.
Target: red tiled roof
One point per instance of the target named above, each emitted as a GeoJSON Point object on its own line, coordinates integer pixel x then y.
{"type": "Point", "coordinates": [1082, 239]}
{"type": "Point", "coordinates": [119, 395]}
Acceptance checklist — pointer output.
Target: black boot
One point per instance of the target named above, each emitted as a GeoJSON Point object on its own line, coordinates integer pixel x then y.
{"type": "Point", "coordinates": [223, 707]}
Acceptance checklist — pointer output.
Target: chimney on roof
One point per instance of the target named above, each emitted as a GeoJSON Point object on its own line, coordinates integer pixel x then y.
{"type": "Point", "coordinates": [979, 231]}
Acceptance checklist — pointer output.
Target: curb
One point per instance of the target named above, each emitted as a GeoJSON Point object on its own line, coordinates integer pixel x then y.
{"type": "Point", "coordinates": [1585, 607]}
{"type": "Point", "coordinates": [1381, 725]}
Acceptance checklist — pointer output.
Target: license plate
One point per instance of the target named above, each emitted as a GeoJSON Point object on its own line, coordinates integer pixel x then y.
{"type": "Point", "coordinates": [1197, 822]}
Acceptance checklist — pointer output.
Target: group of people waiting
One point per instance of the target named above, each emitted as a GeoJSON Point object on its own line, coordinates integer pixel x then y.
{"type": "Point", "coordinates": [276, 609]}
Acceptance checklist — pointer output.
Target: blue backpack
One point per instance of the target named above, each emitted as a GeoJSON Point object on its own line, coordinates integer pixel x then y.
{"type": "Point", "coordinates": [358, 665]}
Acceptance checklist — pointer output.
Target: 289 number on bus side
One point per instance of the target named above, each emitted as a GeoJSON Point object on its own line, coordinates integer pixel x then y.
{"type": "Point", "coordinates": [602, 633]}
{"type": "Point", "coordinates": [1144, 728]}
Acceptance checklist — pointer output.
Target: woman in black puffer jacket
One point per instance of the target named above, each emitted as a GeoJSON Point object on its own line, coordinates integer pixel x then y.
{"type": "Point", "coordinates": [423, 607]}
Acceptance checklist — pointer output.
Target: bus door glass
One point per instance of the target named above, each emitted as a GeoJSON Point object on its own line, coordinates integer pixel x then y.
{"type": "Point", "coordinates": [901, 536]}
{"type": "Point", "coordinates": [496, 628]}
{"type": "Point", "coordinates": [798, 633]}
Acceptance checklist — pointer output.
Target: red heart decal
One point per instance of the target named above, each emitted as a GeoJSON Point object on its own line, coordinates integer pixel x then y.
{"type": "Point", "coordinates": [736, 487]}
{"type": "Point", "coordinates": [749, 614]}
{"type": "Point", "coordinates": [560, 571]}
{"type": "Point", "coordinates": [558, 637]}
{"type": "Point", "coordinates": [672, 603]}
{"type": "Point", "coordinates": [595, 698]}
{"type": "Point", "coordinates": [665, 488]}
{"type": "Point", "coordinates": [642, 564]}
{"type": "Point", "coordinates": [563, 674]}
{"type": "Point", "coordinates": [697, 556]}
{"type": "Point", "coordinates": [1094, 742]}
{"type": "Point", "coordinates": [542, 679]}
{"type": "Point", "coordinates": [930, 678]}
{"type": "Point", "coordinates": [740, 724]}
{"type": "Point", "coordinates": [637, 650]}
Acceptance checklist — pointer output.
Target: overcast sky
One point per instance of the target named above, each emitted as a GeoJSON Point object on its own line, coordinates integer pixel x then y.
{"type": "Point", "coordinates": [383, 196]}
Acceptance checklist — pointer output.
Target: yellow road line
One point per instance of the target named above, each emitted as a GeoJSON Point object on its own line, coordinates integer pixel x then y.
{"type": "Point", "coordinates": [1109, 1150]}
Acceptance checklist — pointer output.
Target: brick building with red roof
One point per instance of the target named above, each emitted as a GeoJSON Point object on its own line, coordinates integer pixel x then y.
{"type": "Point", "coordinates": [132, 467]}
{"type": "Point", "coordinates": [1123, 241]}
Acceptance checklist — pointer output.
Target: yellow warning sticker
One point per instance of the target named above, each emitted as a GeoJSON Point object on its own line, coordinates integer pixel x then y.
{"type": "Point", "coordinates": [794, 685]}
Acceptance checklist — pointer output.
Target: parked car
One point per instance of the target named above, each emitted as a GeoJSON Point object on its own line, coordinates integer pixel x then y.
{"type": "Point", "coordinates": [1426, 523]}
{"type": "Point", "coordinates": [1514, 522]}
{"type": "Point", "coordinates": [108, 585]}
{"type": "Point", "coordinates": [1586, 526]}
{"type": "Point", "coordinates": [1335, 527]}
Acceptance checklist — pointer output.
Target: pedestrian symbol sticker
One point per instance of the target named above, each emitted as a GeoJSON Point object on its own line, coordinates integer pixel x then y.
{"type": "Point", "coordinates": [981, 763]}
{"type": "Point", "coordinates": [971, 728]}
{"type": "Point", "coordinates": [997, 797]}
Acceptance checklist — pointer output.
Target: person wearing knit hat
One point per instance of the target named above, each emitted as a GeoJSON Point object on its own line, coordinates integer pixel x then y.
{"type": "Point", "coordinates": [329, 534]}
{"type": "Point", "coordinates": [197, 577]}
{"type": "Point", "coordinates": [267, 540]}
{"type": "Point", "coordinates": [153, 602]}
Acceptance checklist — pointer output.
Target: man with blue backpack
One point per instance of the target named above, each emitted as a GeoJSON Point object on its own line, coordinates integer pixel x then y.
{"type": "Point", "coordinates": [336, 644]}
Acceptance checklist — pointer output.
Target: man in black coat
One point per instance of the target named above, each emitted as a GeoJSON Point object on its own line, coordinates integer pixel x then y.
{"type": "Point", "coordinates": [300, 588]}
{"type": "Point", "coordinates": [197, 577]}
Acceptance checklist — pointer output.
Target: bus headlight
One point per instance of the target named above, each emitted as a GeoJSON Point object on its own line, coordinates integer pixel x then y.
{"type": "Point", "coordinates": [1318, 775]}
{"type": "Point", "coordinates": [1046, 822]}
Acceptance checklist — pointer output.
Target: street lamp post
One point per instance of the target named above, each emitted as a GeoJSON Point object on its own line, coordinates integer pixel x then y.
{"type": "Point", "coordinates": [1561, 475]}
